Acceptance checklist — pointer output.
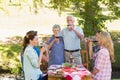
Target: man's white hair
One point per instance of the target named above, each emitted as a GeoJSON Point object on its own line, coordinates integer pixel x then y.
{"type": "Point", "coordinates": [72, 17]}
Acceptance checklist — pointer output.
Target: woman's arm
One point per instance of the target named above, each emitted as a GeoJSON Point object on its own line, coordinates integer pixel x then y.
{"type": "Point", "coordinates": [41, 54]}
{"type": "Point", "coordinates": [51, 43]}
{"type": "Point", "coordinates": [95, 70]}
{"type": "Point", "coordinates": [46, 56]}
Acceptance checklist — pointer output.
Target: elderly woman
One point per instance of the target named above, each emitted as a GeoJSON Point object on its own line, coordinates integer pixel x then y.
{"type": "Point", "coordinates": [55, 44]}
{"type": "Point", "coordinates": [104, 57]}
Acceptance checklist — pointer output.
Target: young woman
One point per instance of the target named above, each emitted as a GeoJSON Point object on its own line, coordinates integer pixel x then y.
{"type": "Point", "coordinates": [104, 57]}
{"type": "Point", "coordinates": [31, 62]}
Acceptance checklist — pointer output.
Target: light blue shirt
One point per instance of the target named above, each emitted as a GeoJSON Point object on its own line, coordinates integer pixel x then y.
{"type": "Point", "coordinates": [71, 40]}
{"type": "Point", "coordinates": [31, 70]}
{"type": "Point", "coordinates": [38, 53]}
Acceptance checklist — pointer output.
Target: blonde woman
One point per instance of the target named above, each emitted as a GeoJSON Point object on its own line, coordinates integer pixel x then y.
{"type": "Point", "coordinates": [104, 57]}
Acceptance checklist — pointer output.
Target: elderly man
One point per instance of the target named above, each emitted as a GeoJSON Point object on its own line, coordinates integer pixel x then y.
{"type": "Point", "coordinates": [71, 36]}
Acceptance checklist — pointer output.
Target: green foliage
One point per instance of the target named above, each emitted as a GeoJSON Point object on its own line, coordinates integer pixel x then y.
{"type": "Point", "coordinates": [9, 57]}
{"type": "Point", "coordinates": [89, 13]}
{"type": "Point", "coordinates": [60, 5]}
{"type": "Point", "coordinates": [37, 4]}
{"type": "Point", "coordinates": [67, 64]}
{"type": "Point", "coordinates": [34, 5]}
{"type": "Point", "coordinates": [116, 39]}
{"type": "Point", "coordinates": [16, 70]}
{"type": "Point", "coordinates": [117, 55]}
{"type": "Point", "coordinates": [115, 35]}
{"type": "Point", "coordinates": [92, 14]}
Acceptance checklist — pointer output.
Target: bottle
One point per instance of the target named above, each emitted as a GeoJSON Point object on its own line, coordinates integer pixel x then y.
{"type": "Point", "coordinates": [71, 58]}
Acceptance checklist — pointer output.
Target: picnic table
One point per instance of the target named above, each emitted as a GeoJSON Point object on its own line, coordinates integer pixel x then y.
{"type": "Point", "coordinates": [57, 72]}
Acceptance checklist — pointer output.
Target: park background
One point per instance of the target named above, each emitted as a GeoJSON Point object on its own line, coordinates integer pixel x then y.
{"type": "Point", "coordinates": [15, 21]}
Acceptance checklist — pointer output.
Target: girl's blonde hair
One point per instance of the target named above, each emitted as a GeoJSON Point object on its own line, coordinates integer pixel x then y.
{"type": "Point", "coordinates": [106, 41]}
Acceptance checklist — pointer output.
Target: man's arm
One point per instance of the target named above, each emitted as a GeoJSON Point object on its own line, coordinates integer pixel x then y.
{"type": "Point", "coordinates": [81, 36]}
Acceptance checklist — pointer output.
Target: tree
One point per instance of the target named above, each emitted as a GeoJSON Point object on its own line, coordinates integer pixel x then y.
{"type": "Point", "coordinates": [91, 13]}
{"type": "Point", "coordinates": [34, 5]}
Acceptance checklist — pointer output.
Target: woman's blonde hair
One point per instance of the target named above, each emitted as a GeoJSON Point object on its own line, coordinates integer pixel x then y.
{"type": "Point", "coordinates": [106, 41]}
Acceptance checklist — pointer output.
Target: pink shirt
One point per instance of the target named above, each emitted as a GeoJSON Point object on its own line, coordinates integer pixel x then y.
{"type": "Point", "coordinates": [103, 64]}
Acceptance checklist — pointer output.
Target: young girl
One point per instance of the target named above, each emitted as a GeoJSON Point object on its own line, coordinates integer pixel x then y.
{"type": "Point", "coordinates": [104, 57]}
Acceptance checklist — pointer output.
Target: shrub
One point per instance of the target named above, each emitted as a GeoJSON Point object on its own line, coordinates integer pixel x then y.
{"type": "Point", "coordinates": [115, 35]}
{"type": "Point", "coordinates": [9, 57]}
{"type": "Point", "coordinates": [116, 39]}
